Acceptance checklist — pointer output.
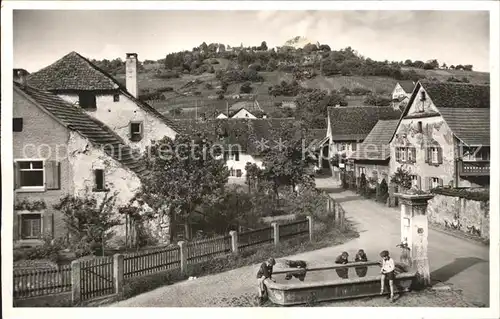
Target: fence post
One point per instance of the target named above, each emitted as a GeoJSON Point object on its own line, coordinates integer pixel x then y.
{"type": "Point", "coordinates": [341, 217]}
{"type": "Point", "coordinates": [118, 272]}
{"type": "Point", "coordinates": [76, 296]}
{"type": "Point", "coordinates": [310, 222]}
{"type": "Point", "coordinates": [234, 241]}
{"type": "Point", "coordinates": [333, 209]}
{"type": "Point", "coordinates": [183, 256]}
{"type": "Point", "coordinates": [276, 228]}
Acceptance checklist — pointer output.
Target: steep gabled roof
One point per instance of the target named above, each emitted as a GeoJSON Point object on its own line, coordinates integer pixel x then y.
{"type": "Point", "coordinates": [356, 122]}
{"type": "Point", "coordinates": [77, 120]}
{"type": "Point", "coordinates": [408, 86]}
{"type": "Point", "coordinates": [247, 133]}
{"type": "Point", "coordinates": [376, 144]}
{"type": "Point", "coordinates": [73, 72]}
{"type": "Point", "coordinates": [470, 125]}
{"type": "Point", "coordinates": [464, 107]}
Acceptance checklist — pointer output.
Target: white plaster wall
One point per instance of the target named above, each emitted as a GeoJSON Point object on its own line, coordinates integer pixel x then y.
{"type": "Point", "coordinates": [84, 158]}
{"type": "Point", "coordinates": [244, 158]}
{"type": "Point", "coordinates": [399, 91]}
{"type": "Point", "coordinates": [428, 104]}
{"type": "Point", "coordinates": [118, 115]}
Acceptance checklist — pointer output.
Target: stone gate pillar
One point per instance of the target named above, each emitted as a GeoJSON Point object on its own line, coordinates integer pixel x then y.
{"type": "Point", "coordinates": [414, 231]}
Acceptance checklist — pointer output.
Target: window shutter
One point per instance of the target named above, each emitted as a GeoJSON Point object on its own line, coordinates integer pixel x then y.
{"type": "Point", "coordinates": [397, 155]}
{"type": "Point", "coordinates": [354, 146]}
{"type": "Point", "coordinates": [53, 175]}
{"type": "Point", "coordinates": [142, 130]}
{"type": "Point", "coordinates": [130, 130]}
{"type": "Point", "coordinates": [16, 226]}
{"type": "Point", "coordinates": [427, 154]}
{"type": "Point", "coordinates": [440, 155]}
{"type": "Point", "coordinates": [17, 176]}
{"type": "Point", "coordinates": [413, 151]}
{"type": "Point", "coordinates": [419, 182]}
{"type": "Point", "coordinates": [47, 224]}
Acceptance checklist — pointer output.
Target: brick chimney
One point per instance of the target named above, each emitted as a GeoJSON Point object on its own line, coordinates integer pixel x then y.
{"type": "Point", "coordinates": [20, 76]}
{"type": "Point", "coordinates": [131, 74]}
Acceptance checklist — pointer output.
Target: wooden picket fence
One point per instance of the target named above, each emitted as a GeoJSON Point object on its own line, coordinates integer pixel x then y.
{"type": "Point", "coordinates": [40, 282]}
{"type": "Point", "coordinates": [254, 238]}
{"type": "Point", "coordinates": [151, 261]}
{"type": "Point", "coordinates": [96, 278]}
{"type": "Point", "coordinates": [297, 228]}
{"type": "Point", "coordinates": [204, 250]}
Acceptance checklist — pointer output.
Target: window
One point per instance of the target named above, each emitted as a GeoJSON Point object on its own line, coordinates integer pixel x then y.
{"type": "Point", "coordinates": [238, 173]}
{"type": "Point", "coordinates": [402, 154]}
{"type": "Point", "coordinates": [135, 131]}
{"type": "Point", "coordinates": [420, 129]}
{"type": "Point", "coordinates": [422, 96]}
{"type": "Point", "coordinates": [31, 174]}
{"type": "Point", "coordinates": [434, 154]}
{"type": "Point", "coordinates": [232, 172]}
{"type": "Point", "coordinates": [31, 226]}
{"type": "Point", "coordinates": [234, 156]}
{"type": "Point", "coordinates": [17, 124]}
{"type": "Point", "coordinates": [99, 180]}
{"type": "Point", "coordinates": [362, 170]}
{"type": "Point", "coordinates": [415, 181]}
{"type": "Point", "coordinates": [435, 182]}
{"type": "Point", "coordinates": [87, 100]}
{"type": "Point", "coordinates": [116, 98]}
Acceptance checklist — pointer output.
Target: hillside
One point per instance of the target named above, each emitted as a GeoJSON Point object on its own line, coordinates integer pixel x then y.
{"type": "Point", "coordinates": [210, 78]}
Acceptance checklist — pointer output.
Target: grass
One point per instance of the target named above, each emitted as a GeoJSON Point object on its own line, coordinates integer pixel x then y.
{"type": "Point", "coordinates": [426, 298]}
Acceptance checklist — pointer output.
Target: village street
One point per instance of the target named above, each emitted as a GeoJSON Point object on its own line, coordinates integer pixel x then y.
{"type": "Point", "coordinates": [462, 264]}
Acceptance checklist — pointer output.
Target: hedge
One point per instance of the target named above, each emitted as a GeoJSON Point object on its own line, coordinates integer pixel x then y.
{"type": "Point", "coordinates": [482, 195]}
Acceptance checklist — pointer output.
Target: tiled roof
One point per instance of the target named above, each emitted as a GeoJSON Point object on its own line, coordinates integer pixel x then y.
{"type": "Point", "coordinates": [244, 132]}
{"type": "Point", "coordinates": [76, 119]}
{"type": "Point", "coordinates": [243, 105]}
{"type": "Point", "coordinates": [376, 144]}
{"type": "Point", "coordinates": [73, 72]}
{"type": "Point", "coordinates": [355, 123]}
{"type": "Point", "coordinates": [408, 86]}
{"type": "Point", "coordinates": [457, 95]}
{"type": "Point", "coordinates": [471, 125]}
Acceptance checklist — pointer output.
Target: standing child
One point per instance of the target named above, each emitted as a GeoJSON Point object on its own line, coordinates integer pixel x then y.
{"type": "Point", "coordinates": [265, 272]}
{"type": "Point", "coordinates": [387, 271]}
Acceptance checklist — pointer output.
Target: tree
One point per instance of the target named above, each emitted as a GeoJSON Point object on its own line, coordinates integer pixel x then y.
{"type": "Point", "coordinates": [312, 106]}
{"type": "Point", "coordinates": [408, 63]}
{"type": "Point", "coordinates": [418, 64]}
{"type": "Point", "coordinates": [89, 222]}
{"type": "Point", "coordinates": [467, 67]}
{"type": "Point", "coordinates": [263, 46]}
{"type": "Point", "coordinates": [286, 164]}
{"type": "Point", "coordinates": [246, 88]}
{"type": "Point", "coordinates": [325, 47]}
{"type": "Point", "coordinates": [183, 174]}
{"type": "Point", "coordinates": [444, 66]}
{"type": "Point", "coordinates": [402, 178]}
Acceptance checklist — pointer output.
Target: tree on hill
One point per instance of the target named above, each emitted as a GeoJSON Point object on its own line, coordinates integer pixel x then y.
{"type": "Point", "coordinates": [263, 46]}
{"type": "Point", "coordinates": [467, 67]}
{"type": "Point", "coordinates": [312, 106]}
{"type": "Point", "coordinates": [184, 173]}
{"type": "Point", "coordinates": [325, 47]}
{"type": "Point", "coordinates": [418, 64]}
{"type": "Point", "coordinates": [408, 62]}
{"type": "Point", "coordinates": [246, 88]}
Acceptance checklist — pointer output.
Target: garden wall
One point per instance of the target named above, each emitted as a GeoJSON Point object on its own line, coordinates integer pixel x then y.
{"type": "Point", "coordinates": [460, 212]}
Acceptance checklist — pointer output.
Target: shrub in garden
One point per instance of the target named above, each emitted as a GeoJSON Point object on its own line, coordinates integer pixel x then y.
{"type": "Point", "coordinates": [383, 191]}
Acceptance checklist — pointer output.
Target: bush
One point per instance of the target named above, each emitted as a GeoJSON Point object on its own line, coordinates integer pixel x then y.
{"type": "Point", "coordinates": [137, 285]}
{"type": "Point", "coordinates": [246, 88]}
{"type": "Point", "coordinates": [50, 250]}
{"type": "Point", "coordinates": [383, 191]}
{"type": "Point", "coordinates": [167, 75]}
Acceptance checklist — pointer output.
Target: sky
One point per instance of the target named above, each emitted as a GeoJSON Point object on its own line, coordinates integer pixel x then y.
{"type": "Point", "coordinates": [455, 37]}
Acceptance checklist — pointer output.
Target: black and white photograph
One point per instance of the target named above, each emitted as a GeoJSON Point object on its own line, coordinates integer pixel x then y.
{"type": "Point", "coordinates": [194, 154]}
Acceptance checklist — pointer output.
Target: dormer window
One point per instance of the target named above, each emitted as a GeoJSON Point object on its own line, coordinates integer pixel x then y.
{"type": "Point", "coordinates": [87, 101]}
{"type": "Point", "coordinates": [136, 131]}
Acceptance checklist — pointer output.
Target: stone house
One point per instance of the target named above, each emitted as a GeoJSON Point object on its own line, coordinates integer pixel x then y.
{"type": "Point", "coordinates": [402, 93]}
{"type": "Point", "coordinates": [443, 136]}
{"type": "Point", "coordinates": [372, 156]}
{"type": "Point", "coordinates": [347, 127]}
{"type": "Point", "coordinates": [78, 81]}
{"type": "Point", "coordinates": [59, 150]}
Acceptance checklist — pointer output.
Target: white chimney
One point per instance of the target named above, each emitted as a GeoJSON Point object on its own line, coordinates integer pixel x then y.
{"type": "Point", "coordinates": [131, 74]}
{"type": "Point", "coordinates": [20, 76]}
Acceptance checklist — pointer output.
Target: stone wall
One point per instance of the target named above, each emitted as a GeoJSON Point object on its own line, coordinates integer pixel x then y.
{"type": "Point", "coordinates": [465, 215]}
